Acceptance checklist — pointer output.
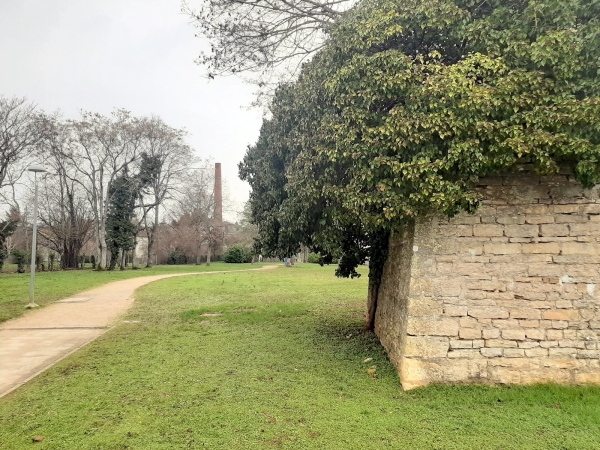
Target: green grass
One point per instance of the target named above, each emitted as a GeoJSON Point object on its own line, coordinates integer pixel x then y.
{"type": "Point", "coordinates": [52, 286]}
{"type": "Point", "coordinates": [276, 363]}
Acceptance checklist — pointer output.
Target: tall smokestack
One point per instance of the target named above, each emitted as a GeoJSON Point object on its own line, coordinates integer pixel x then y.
{"type": "Point", "coordinates": [218, 195]}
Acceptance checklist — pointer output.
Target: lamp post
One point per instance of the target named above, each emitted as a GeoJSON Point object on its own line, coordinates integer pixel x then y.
{"type": "Point", "coordinates": [35, 169]}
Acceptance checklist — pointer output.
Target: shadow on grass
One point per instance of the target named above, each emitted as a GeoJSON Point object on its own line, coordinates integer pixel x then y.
{"type": "Point", "coordinates": [340, 338]}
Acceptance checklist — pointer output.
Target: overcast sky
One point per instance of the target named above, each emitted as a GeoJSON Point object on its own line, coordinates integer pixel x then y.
{"type": "Point", "coordinates": [97, 55]}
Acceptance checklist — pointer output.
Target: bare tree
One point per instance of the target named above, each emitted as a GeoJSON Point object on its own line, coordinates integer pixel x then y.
{"type": "Point", "coordinates": [245, 231]}
{"type": "Point", "coordinates": [86, 156]}
{"type": "Point", "coordinates": [261, 37]}
{"type": "Point", "coordinates": [195, 213]}
{"type": "Point", "coordinates": [64, 210]}
{"type": "Point", "coordinates": [7, 228]}
{"type": "Point", "coordinates": [66, 222]}
{"type": "Point", "coordinates": [102, 147]}
{"type": "Point", "coordinates": [20, 132]}
{"type": "Point", "coordinates": [164, 164]}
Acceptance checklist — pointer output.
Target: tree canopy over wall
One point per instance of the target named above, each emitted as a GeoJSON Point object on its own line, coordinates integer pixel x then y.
{"type": "Point", "coordinates": [408, 104]}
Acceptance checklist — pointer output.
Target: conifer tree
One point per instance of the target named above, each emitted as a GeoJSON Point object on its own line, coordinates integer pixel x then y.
{"type": "Point", "coordinates": [120, 229]}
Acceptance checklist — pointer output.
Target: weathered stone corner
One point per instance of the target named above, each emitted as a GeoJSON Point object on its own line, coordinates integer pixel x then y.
{"type": "Point", "coordinates": [508, 295]}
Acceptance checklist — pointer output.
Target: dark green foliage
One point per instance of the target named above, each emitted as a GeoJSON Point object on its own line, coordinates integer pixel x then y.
{"type": "Point", "coordinates": [177, 257]}
{"type": "Point", "coordinates": [20, 257]}
{"type": "Point", "coordinates": [314, 258]}
{"type": "Point", "coordinates": [408, 105]}
{"type": "Point", "coordinates": [238, 255]}
{"type": "Point", "coordinates": [3, 256]}
{"type": "Point", "coordinates": [149, 169]}
{"type": "Point", "coordinates": [122, 193]}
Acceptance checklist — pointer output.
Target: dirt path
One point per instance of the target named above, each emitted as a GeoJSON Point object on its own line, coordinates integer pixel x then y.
{"type": "Point", "coordinates": [32, 343]}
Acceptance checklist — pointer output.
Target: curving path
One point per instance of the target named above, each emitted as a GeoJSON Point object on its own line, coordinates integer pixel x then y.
{"type": "Point", "coordinates": [32, 343]}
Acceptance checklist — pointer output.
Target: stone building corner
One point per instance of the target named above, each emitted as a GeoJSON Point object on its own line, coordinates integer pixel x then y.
{"type": "Point", "coordinates": [510, 294]}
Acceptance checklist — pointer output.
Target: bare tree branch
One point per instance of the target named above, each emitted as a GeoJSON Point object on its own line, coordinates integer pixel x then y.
{"type": "Point", "coordinates": [21, 130]}
{"type": "Point", "coordinates": [262, 40]}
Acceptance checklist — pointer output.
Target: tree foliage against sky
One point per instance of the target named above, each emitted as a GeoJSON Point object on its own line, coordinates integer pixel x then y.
{"type": "Point", "coordinates": [65, 218]}
{"type": "Point", "coordinates": [21, 130]}
{"type": "Point", "coordinates": [165, 165]}
{"type": "Point", "coordinates": [262, 40]}
{"type": "Point", "coordinates": [84, 158]}
{"type": "Point", "coordinates": [409, 103]}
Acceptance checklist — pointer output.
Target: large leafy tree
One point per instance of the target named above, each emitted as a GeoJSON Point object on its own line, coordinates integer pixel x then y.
{"type": "Point", "coordinates": [408, 105]}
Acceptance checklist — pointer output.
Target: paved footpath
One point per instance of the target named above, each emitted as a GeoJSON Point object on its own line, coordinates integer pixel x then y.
{"type": "Point", "coordinates": [32, 343]}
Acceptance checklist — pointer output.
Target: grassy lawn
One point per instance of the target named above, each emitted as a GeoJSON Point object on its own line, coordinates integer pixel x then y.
{"type": "Point", "coordinates": [52, 286]}
{"type": "Point", "coordinates": [271, 359]}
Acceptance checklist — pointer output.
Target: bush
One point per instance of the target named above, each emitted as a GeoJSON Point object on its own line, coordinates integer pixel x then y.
{"type": "Point", "coordinates": [177, 257]}
{"type": "Point", "coordinates": [20, 258]}
{"type": "Point", "coordinates": [3, 256]}
{"type": "Point", "coordinates": [314, 258]}
{"type": "Point", "coordinates": [238, 254]}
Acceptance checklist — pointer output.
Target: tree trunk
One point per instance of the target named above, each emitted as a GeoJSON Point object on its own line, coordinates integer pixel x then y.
{"type": "Point", "coordinates": [69, 257]}
{"type": "Point", "coordinates": [114, 256]}
{"type": "Point", "coordinates": [371, 303]}
{"type": "Point", "coordinates": [150, 246]}
{"type": "Point", "coordinates": [102, 245]}
{"type": "Point", "coordinates": [208, 255]}
{"type": "Point", "coordinates": [98, 250]}
{"type": "Point", "coordinates": [133, 266]}
{"type": "Point", "coordinates": [152, 238]}
{"type": "Point", "coordinates": [123, 256]}
{"type": "Point", "coordinates": [378, 256]}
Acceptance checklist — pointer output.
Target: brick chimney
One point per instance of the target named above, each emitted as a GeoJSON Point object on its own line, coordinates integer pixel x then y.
{"type": "Point", "coordinates": [218, 214]}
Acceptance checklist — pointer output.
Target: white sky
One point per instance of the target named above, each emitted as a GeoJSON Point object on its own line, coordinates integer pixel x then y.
{"type": "Point", "coordinates": [97, 55]}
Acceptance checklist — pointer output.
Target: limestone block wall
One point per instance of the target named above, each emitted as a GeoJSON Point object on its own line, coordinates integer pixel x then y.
{"type": "Point", "coordinates": [508, 295]}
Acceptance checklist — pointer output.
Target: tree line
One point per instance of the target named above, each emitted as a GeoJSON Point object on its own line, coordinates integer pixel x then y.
{"type": "Point", "coordinates": [110, 178]}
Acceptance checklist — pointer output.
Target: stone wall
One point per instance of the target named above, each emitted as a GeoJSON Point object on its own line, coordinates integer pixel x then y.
{"type": "Point", "coordinates": [508, 295]}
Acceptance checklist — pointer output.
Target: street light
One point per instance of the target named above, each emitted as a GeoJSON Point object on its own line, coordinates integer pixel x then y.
{"type": "Point", "coordinates": [35, 169]}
